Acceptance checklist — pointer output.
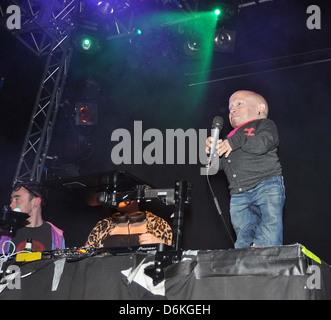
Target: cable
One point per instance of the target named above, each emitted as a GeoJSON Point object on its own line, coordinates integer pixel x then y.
{"type": "Point", "coordinates": [217, 205]}
{"type": "Point", "coordinates": [5, 256]}
{"type": "Point", "coordinates": [259, 62]}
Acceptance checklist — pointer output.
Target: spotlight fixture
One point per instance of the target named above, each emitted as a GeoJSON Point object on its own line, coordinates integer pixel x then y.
{"type": "Point", "coordinates": [112, 6]}
{"type": "Point", "coordinates": [223, 11]}
{"type": "Point", "coordinates": [192, 46]}
{"type": "Point", "coordinates": [86, 114]}
{"type": "Point", "coordinates": [105, 8]}
{"type": "Point", "coordinates": [217, 12]}
{"type": "Point", "coordinates": [224, 40]}
{"type": "Point", "coordinates": [87, 43]}
{"type": "Point", "coordinates": [135, 32]}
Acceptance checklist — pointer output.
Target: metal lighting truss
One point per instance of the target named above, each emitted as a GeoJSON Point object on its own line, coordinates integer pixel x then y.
{"type": "Point", "coordinates": [46, 27]}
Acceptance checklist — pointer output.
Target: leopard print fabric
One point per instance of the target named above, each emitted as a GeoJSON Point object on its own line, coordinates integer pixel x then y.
{"type": "Point", "coordinates": [155, 225]}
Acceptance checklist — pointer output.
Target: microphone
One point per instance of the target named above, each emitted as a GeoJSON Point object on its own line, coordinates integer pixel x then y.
{"type": "Point", "coordinates": [216, 129]}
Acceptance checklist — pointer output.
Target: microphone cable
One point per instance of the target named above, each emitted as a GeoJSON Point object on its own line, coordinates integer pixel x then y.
{"type": "Point", "coordinates": [217, 204]}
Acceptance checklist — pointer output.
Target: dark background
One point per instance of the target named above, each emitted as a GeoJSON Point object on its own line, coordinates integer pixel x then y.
{"type": "Point", "coordinates": [156, 85]}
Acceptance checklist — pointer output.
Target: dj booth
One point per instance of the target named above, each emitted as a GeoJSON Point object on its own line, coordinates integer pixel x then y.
{"type": "Point", "coordinates": [284, 272]}
{"type": "Point", "coordinates": [158, 272]}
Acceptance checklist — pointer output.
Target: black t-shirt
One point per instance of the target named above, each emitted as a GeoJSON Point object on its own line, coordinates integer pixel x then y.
{"type": "Point", "coordinates": [41, 238]}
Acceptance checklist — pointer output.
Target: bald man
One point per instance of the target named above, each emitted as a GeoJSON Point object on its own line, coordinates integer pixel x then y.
{"type": "Point", "coordinates": [248, 156]}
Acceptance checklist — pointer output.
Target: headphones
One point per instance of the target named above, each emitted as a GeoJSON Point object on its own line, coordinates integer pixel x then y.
{"type": "Point", "coordinates": [133, 217]}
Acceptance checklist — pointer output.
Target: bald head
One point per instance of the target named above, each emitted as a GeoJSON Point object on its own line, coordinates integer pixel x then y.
{"type": "Point", "coordinates": [254, 98]}
{"type": "Point", "coordinates": [245, 106]}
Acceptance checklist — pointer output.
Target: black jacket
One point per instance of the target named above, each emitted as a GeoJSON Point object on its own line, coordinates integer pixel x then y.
{"type": "Point", "coordinates": [253, 157]}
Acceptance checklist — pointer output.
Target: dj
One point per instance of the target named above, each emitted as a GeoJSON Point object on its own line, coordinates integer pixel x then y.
{"type": "Point", "coordinates": [29, 198]}
{"type": "Point", "coordinates": [130, 227]}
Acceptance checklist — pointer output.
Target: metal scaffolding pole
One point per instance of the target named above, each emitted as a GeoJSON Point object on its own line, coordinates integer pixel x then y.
{"type": "Point", "coordinates": [46, 28]}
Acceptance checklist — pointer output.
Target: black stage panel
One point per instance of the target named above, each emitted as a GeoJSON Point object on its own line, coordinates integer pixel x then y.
{"type": "Point", "coordinates": [282, 273]}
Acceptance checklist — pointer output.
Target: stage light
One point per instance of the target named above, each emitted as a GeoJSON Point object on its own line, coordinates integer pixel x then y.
{"type": "Point", "coordinates": [111, 7]}
{"type": "Point", "coordinates": [105, 7]}
{"type": "Point", "coordinates": [139, 32]}
{"type": "Point", "coordinates": [86, 43]}
{"type": "Point", "coordinates": [193, 45]}
{"type": "Point", "coordinates": [86, 114]}
{"type": "Point", "coordinates": [218, 12]}
{"type": "Point", "coordinates": [194, 42]}
{"type": "Point", "coordinates": [223, 11]}
{"type": "Point", "coordinates": [225, 40]}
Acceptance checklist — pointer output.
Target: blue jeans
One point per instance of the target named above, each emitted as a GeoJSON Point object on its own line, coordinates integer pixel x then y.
{"type": "Point", "coordinates": [257, 214]}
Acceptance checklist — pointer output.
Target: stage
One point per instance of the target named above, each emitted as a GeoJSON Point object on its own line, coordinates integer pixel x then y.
{"type": "Point", "coordinates": [272, 273]}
